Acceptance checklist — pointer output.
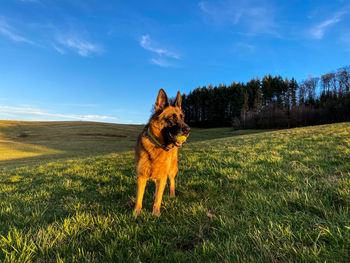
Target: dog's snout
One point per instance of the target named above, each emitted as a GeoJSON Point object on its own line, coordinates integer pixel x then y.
{"type": "Point", "coordinates": [186, 129]}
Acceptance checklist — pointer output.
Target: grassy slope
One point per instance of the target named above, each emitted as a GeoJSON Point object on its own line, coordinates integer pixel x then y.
{"type": "Point", "coordinates": [270, 197]}
{"type": "Point", "coordinates": [28, 143]}
{"type": "Point", "coordinates": [38, 142]}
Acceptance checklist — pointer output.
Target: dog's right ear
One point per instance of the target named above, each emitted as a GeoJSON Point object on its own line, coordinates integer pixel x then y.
{"type": "Point", "coordinates": [162, 101]}
{"type": "Point", "coordinates": [177, 102]}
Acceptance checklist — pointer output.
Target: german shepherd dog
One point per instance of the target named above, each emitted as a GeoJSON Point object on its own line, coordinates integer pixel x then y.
{"type": "Point", "coordinates": [157, 149]}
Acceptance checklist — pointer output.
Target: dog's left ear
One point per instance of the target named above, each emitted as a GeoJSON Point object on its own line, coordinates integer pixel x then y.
{"type": "Point", "coordinates": [178, 100]}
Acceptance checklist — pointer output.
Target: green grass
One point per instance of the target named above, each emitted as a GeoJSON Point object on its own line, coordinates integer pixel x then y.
{"type": "Point", "coordinates": [30, 143]}
{"type": "Point", "coordinates": [275, 196]}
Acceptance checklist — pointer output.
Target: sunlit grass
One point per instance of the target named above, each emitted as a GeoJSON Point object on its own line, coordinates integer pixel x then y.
{"type": "Point", "coordinates": [27, 143]}
{"type": "Point", "coordinates": [276, 196]}
{"type": "Point", "coordinates": [10, 150]}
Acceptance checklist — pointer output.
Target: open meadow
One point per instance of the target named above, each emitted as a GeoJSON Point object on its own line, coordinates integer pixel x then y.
{"type": "Point", "coordinates": [67, 191]}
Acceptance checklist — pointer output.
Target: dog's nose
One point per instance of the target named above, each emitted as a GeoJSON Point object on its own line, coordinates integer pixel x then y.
{"type": "Point", "coordinates": [186, 129]}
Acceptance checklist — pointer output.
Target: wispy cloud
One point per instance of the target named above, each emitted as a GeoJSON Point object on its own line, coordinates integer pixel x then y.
{"type": "Point", "coordinates": [7, 31]}
{"type": "Point", "coordinates": [162, 53]}
{"type": "Point", "coordinates": [59, 50]}
{"type": "Point", "coordinates": [30, 1]}
{"type": "Point", "coordinates": [345, 39]}
{"type": "Point", "coordinates": [150, 45]}
{"type": "Point", "coordinates": [53, 116]}
{"type": "Point", "coordinates": [82, 47]}
{"type": "Point", "coordinates": [161, 62]}
{"type": "Point", "coordinates": [78, 105]}
{"type": "Point", "coordinates": [218, 12]}
{"type": "Point", "coordinates": [317, 31]}
{"type": "Point", "coordinates": [244, 48]}
{"type": "Point", "coordinates": [257, 17]}
{"type": "Point", "coordinates": [74, 40]}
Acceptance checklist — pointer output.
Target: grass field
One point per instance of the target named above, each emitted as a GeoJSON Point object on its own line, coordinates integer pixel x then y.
{"type": "Point", "coordinates": [35, 142]}
{"type": "Point", "coordinates": [67, 192]}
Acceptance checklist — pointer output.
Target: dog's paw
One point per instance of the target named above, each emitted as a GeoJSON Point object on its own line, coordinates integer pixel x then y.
{"type": "Point", "coordinates": [156, 211]}
{"type": "Point", "coordinates": [137, 212]}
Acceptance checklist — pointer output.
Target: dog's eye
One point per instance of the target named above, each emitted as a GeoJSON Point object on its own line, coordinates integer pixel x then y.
{"type": "Point", "coordinates": [172, 118]}
{"type": "Point", "coordinates": [182, 116]}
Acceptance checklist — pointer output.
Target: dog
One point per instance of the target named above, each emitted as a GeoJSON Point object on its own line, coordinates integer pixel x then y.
{"type": "Point", "coordinates": [157, 149]}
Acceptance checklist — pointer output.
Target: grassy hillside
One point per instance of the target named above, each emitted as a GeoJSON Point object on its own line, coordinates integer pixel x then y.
{"type": "Point", "coordinates": [37, 142]}
{"type": "Point", "coordinates": [23, 142]}
{"type": "Point", "coordinates": [274, 196]}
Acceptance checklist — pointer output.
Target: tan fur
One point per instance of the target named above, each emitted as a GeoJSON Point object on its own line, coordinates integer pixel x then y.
{"type": "Point", "coordinates": [154, 162]}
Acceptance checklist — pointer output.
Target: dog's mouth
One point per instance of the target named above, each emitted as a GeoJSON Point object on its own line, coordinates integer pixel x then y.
{"type": "Point", "coordinates": [177, 140]}
{"type": "Point", "coordinates": [178, 144]}
{"type": "Point", "coordinates": [175, 136]}
{"type": "Point", "coordinates": [171, 138]}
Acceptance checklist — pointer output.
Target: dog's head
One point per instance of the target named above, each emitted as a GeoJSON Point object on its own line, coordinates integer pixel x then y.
{"type": "Point", "coordinates": [169, 119]}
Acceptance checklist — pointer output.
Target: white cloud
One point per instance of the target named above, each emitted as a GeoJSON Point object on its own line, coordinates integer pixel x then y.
{"type": "Point", "coordinates": [8, 31]}
{"type": "Point", "coordinates": [244, 48]}
{"type": "Point", "coordinates": [318, 30]}
{"type": "Point", "coordinates": [150, 45]}
{"type": "Point", "coordinates": [61, 43]}
{"type": "Point", "coordinates": [78, 105]}
{"type": "Point", "coordinates": [345, 39]}
{"type": "Point", "coordinates": [161, 62]}
{"type": "Point", "coordinates": [163, 53]}
{"type": "Point", "coordinates": [218, 13]}
{"type": "Point", "coordinates": [82, 47]}
{"type": "Point", "coordinates": [257, 17]}
{"type": "Point", "coordinates": [30, 1]}
{"type": "Point", "coordinates": [53, 116]}
{"type": "Point", "coordinates": [59, 50]}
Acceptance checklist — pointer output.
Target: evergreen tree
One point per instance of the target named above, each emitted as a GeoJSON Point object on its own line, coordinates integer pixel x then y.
{"type": "Point", "coordinates": [245, 108]}
{"type": "Point", "coordinates": [293, 88]}
{"type": "Point", "coordinates": [271, 103]}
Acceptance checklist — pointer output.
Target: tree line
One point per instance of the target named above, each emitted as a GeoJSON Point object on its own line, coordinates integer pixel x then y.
{"type": "Point", "coordinates": [272, 102]}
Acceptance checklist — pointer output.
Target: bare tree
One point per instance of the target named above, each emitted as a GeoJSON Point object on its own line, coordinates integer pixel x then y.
{"type": "Point", "coordinates": [333, 84]}
{"type": "Point", "coordinates": [343, 77]}
{"type": "Point", "coordinates": [245, 108]}
{"type": "Point", "coordinates": [302, 92]}
{"type": "Point", "coordinates": [326, 81]}
{"type": "Point", "coordinates": [310, 85]}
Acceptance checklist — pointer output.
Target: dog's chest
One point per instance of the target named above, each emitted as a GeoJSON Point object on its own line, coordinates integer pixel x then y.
{"type": "Point", "coordinates": [162, 165]}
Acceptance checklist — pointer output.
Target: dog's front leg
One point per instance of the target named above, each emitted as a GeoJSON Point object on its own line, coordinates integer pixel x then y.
{"type": "Point", "coordinates": [141, 185]}
{"type": "Point", "coordinates": [172, 174]}
{"type": "Point", "coordinates": [160, 185]}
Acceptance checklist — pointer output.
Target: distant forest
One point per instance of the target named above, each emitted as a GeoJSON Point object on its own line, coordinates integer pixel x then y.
{"type": "Point", "coordinates": [272, 102]}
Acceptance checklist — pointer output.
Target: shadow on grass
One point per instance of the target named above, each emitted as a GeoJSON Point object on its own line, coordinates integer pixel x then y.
{"type": "Point", "coordinates": [62, 140]}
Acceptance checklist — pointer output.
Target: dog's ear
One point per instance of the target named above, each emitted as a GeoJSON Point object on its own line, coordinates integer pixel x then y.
{"type": "Point", "coordinates": [178, 100]}
{"type": "Point", "coordinates": [162, 101]}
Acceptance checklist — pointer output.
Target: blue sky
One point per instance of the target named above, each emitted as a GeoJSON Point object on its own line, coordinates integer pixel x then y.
{"type": "Point", "coordinates": [105, 60]}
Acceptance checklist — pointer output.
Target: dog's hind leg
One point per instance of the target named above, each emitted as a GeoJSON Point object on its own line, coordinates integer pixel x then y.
{"type": "Point", "coordinates": [141, 185]}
